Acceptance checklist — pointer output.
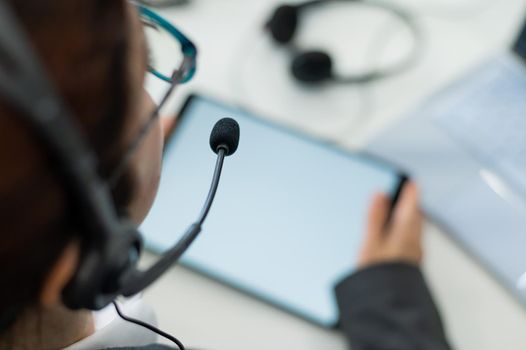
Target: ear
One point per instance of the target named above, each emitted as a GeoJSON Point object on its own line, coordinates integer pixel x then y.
{"type": "Point", "coordinates": [59, 276]}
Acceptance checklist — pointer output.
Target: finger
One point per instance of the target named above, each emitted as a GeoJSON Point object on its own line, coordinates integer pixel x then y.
{"type": "Point", "coordinates": [407, 217]}
{"type": "Point", "coordinates": [408, 201]}
{"type": "Point", "coordinates": [378, 214]}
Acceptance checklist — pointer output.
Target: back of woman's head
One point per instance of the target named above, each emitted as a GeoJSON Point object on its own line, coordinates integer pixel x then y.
{"type": "Point", "coordinates": [83, 45]}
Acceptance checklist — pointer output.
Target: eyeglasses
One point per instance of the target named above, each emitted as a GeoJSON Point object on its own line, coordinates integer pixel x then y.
{"type": "Point", "coordinates": [172, 59]}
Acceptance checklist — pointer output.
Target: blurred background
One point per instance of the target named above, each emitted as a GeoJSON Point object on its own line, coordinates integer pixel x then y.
{"type": "Point", "coordinates": [241, 65]}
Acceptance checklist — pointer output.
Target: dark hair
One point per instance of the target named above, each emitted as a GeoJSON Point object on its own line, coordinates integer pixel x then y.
{"type": "Point", "coordinates": [83, 45]}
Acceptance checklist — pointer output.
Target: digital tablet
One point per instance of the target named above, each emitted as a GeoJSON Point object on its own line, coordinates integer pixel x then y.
{"type": "Point", "coordinates": [289, 216]}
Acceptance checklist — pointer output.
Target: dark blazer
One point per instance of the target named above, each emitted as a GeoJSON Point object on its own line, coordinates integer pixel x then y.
{"type": "Point", "coordinates": [384, 307]}
{"type": "Point", "coordinates": [389, 307]}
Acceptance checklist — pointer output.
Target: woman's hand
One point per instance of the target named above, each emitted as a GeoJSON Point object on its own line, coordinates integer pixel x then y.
{"type": "Point", "coordinates": [401, 239]}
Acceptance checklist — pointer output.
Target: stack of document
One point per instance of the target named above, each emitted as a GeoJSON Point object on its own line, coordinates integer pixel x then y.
{"type": "Point", "coordinates": [466, 147]}
{"type": "Point", "coordinates": [486, 114]}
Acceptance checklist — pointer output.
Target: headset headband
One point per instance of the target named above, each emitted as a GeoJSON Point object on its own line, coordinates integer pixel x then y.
{"type": "Point", "coordinates": [24, 85]}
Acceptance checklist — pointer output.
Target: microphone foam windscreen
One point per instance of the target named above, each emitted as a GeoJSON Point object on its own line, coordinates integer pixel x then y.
{"type": "Point", "coordinates": [225, 135]}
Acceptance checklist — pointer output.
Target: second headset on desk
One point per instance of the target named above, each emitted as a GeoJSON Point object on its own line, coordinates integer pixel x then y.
{"type": "Point", "coordinates": [316, 66]}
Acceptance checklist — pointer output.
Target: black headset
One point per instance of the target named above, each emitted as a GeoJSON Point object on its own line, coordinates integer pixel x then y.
{"type": "Point", "coordinates": [315, 66]}
{"type": "Point", "coordinates": [111, 244]}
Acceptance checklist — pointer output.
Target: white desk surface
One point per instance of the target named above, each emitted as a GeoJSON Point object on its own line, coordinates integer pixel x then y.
{"type": "Point", "coordinates": [478, 312]}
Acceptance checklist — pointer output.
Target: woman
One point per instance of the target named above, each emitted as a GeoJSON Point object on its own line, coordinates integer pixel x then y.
{"type": "Point", "coordinates": [95, 53]}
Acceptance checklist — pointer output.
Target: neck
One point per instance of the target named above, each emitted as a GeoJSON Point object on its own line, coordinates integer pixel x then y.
{"type": "Point", "coordinates": [51, 328]}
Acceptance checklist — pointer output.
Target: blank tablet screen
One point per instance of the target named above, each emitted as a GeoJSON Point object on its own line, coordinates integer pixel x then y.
{"type": "Point", "coordinates": [289, 215]}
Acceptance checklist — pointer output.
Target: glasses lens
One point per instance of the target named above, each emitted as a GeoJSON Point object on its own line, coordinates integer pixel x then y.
{"type": "Point", "coordinates": [165, 53]}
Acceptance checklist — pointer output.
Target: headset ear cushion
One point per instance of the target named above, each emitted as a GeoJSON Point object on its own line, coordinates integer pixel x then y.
{"type": "Point", "coordinates": [125, 251]}
{"type": "Point", "coordinates": [283, 23]}
{"type": "Point", "coordinates": [101, 266]}
{"type": "Point", "coordinates": [312, 67]}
